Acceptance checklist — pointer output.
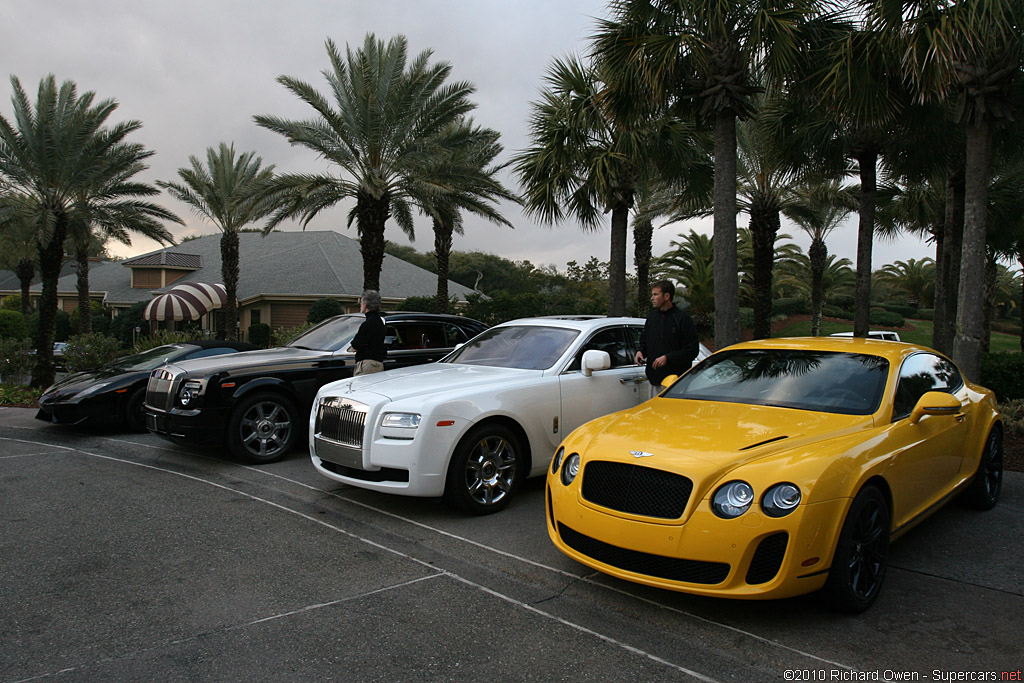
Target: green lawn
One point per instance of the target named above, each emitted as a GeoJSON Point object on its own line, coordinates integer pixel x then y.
{"type": "Point", "coordinates": [920, 334]}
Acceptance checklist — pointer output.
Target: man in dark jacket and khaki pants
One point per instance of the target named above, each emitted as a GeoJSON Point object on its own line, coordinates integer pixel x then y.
{"type": "Point", "coordinates": [669, 341]}
{"type": "Point", "coordinates": [369, 339]}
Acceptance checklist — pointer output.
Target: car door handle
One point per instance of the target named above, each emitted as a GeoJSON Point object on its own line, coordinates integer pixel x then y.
{"type": "Point", "coordinates": [632, 380]}
{"type": "Point", "coordinates": [960, 417]}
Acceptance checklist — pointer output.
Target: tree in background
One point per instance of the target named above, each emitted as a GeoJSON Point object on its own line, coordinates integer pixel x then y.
{"type": "Point", "coordinates": [229, 192]}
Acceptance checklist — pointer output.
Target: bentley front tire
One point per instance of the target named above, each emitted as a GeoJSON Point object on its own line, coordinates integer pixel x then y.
{"type": "Point", "coordinates": [262, 428]}
{"type": "Point", "coordinates": [485, 470]}
{"type": "Point", "coordinates": [862, 553]}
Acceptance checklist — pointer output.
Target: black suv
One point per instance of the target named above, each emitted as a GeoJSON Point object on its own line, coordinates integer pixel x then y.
{"type": "Point", "coordinates": [259, 401]}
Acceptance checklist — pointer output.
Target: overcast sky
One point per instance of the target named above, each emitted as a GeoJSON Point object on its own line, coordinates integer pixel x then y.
{"type": "Point", "coordinates": [195, 72]}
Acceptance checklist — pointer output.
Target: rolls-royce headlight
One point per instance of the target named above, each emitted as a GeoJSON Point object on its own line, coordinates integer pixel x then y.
{"type": "Point", "coordinates": [571, 468]}
{"type": "Point", "coordinates": [190, 391]}
{"type": "Point", "coordinates": [732, 499]}
{"type": "Point", "coordinates": [401, 420]}
{"type": "Point", "coordinates": [780, 500]}
{"type": "Point", "coordinates": [556, 462]}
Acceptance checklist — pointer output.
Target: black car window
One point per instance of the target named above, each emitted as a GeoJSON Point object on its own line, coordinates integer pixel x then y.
{"type": "Point", "coordinates": [611, 340]}
{"type": "Point", "coordinates": [215, 351]}
{"type": "Point", "coordinates": [417, 335]}
{"type": "Point", "coordinates": [456, 335]}
{"type": "Point", "coordinates": [919, 374]}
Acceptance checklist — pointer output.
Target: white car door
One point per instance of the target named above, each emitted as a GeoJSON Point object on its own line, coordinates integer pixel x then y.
{"type": "Point", "coordinates": [621, 386]}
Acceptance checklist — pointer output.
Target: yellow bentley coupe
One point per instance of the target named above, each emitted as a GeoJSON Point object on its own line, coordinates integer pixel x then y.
{"type": "Point", "coordinates": [776, 468]}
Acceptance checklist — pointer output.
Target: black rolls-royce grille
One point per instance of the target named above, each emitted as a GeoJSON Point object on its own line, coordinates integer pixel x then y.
{"type": "Point", "coordinates": [160, 389]}
{"type": "Point", "coordinates": [636, 490]}
{"type": "Point", "coordinates": [767, 558]}
{"type": "Point", "coordinates": [341, 420]}
{"type": "Point", "coordinates": [658, 566]}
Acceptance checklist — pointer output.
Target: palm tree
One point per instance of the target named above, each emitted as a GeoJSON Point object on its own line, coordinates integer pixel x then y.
{"type": "Point", "coordinates": [388, 124]}
{"type": "Point", "coordinates": [971, 53]}
{"type": "Point", "coordinates": [18, 248]}
{"type": "Point", "coordinates": [690, 262]}
{"type": "Point", "coordinates": [476, 190]}
{"type": "Point", "coordinates": [228, 192]}
{"type": "Point", "coordinates": [818, 209]}
{"type": "Point", "coordinates": [592, 155]}
{"type": "Point", "coordinates": [915, 278]}
{"type": "Point", "coordinates": [61, 163]}
{"type": "Point", "coordinates": [708, 51]}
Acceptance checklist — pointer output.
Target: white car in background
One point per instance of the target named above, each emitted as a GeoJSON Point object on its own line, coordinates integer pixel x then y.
{"type": "Point", "coordinates": [886, 335]}
{"type": "Point", "coordinates": [472, 426]}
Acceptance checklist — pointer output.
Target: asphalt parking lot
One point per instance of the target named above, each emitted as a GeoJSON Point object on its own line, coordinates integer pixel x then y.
{"type": "Point", "coordinates": [125, 558]}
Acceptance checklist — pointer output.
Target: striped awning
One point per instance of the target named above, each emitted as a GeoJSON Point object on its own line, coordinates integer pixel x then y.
{"type": "Point", "coordinates": [189, 301]}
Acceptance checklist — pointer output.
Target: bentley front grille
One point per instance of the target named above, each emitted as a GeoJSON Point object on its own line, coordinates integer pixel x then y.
{"type": "Point", "coordinates": [341, 420]}
{"type": "Point", "coordinates": [658, 566]}
{"type": "Point", "coordinates": [636, 490]}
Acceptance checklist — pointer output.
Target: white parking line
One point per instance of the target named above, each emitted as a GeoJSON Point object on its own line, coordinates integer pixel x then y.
{"type": "Point", "coordinates": [393, 551]}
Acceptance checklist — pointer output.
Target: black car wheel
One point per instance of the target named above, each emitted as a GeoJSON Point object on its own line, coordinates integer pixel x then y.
{"type": "Point", "coordinates": [134, 412]}
{"type": "Point", "coordinates": [485, 470]}
{"type": "Point", "coordinates": [983, 492]}
{"type": "Point", "coordinates": [862, 553]}
{"type": "Point", "coordinates": [262, 428]}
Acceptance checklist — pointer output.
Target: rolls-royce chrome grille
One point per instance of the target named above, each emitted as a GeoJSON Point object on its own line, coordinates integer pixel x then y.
{"type": "Point", "coordinates": [341, 420]}
{"type": "Point", "coordinates": [160, 389]}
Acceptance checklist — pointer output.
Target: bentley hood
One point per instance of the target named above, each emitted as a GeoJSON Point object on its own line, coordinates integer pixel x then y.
{"type": "Point", "coordinates": [705, 439]}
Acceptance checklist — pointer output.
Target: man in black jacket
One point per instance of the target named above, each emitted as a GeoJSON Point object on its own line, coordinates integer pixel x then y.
{"type": "Point", "coordinates": [369, 339]}
{"type": "Point", "coordinates": [669, 341]}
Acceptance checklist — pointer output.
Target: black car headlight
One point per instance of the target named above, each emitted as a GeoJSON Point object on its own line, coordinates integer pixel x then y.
{"type": "Point", "coordinates": [732, 499]}
{"type": "Point", "coordinates": [190, 392]}
{"type": "Point", "coordinates": [571, 468]}
{"type": "Point", "coordinates": [780, 500]}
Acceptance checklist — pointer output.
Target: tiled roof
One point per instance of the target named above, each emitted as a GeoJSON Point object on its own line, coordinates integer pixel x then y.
{"type": "Point", "coordinates": [166, 258]}
{"type": "Point", "coordinates": [315, 263]}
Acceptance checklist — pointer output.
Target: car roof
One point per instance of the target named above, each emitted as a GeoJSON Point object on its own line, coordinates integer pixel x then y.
{"type": "Point", "coordinates": [577, 322]}
{"type": "Point", "coordinates": [220, 343]}
{"type": "Point", "coordinates": [894, 351]}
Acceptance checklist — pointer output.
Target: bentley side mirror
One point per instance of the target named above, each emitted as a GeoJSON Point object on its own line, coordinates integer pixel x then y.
{"type": "Point", "coordinates": [935, 403]}
{"type": "Point", "coordinates": [669, 381]}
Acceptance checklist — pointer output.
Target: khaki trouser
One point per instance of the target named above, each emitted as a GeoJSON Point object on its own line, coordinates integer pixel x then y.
{"type": "Point", "coordinates": [367, 367]}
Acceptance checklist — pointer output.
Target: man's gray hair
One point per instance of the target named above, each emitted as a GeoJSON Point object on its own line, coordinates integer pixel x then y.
{"type": "Point", "coordinates": [371, 298]}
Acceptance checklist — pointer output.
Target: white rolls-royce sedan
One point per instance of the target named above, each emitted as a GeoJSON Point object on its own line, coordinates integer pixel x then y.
{"type": "Point", "coordinates": [491, 413]}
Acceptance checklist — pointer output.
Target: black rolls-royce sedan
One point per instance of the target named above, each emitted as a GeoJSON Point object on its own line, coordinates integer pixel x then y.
{"type": "Point", "coordinates": [258, 402]}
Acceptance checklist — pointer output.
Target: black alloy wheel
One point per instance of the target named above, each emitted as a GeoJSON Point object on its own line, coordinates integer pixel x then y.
{"type": "Point", "coordinates": [983, 491]}
{"type": "Point", "coordinates": [862, 553]}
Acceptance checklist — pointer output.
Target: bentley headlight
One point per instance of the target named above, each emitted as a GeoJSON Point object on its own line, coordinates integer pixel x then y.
{"type": "Point", "coordinates": [732, 499]}
{"type": "Point", "coordinates": [556, 462]}
{"type": "Point", "coordinates": [571, 468]}
{"type": "Point", "coordinates": [780, 500]}
{"type": "Point", "coordinates": [190, 391]}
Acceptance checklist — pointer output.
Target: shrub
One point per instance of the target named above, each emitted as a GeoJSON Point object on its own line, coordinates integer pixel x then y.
{"type": "Point", "coordinates": [13, 325]}
{"type": "Point", "coordinates": [1003, 373]}
{"type": "Point", "coordinates": [789, 306]}
{"type": "Point", "coordinates": [11, 302]}
{"type": "Point", "coordinates": [746, 317]}
{"type": "Point", "coordinates": [16, 360]}
{"type": "Point", "coordinates": [123, 325]}
{"type": "Point", "coordinates": [61, 330]}
{"type": "Point", "coordinates": [903, 309]}
{"type": "Point", "coordinates": [836, 312]}
{"type": "Point", "coordinates": [1012, 413]}
{"type": "Point", "coordinates": [88, 351]}
{"type": "Point", "coordinates": [322, 309]}
{"type": "Point", "coordinates": [925, 314]}
{"type": "Point", "coordinates": [1007, 327]}
{"type": "Point", "coordinates": [165, 337]}
{"type": "Point", "coordinates": [259, 334]}
{"type": "Point", "coordinates": [843, 301]}
{"type": "Point", "coordinates": [885, 318]}
{"type": "Point", "coordinates": [283, 335]}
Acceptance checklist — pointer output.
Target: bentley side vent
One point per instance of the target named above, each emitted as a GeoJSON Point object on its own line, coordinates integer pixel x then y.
{"type": "Point", "coordinates": [762, 443]}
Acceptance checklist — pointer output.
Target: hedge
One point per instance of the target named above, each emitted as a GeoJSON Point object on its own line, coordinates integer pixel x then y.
{"type": "Point", "coordinates": [1003, 373]}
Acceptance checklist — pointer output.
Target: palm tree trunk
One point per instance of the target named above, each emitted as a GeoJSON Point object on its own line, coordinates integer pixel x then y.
{"type": "Point", "coordinates": [991, 271]}
{"type": "Point", "coordinates": [617, 259]}
{"type": "Point", "coordinates": [727, 288]}
{"type": "Point", "coordinates": [949, 266]}
{"type": "Point", "coordinates": [1020, 260]}
{"type": "Point", "coordinates": [51, 258]}
{"type": "Point", "coordinates": [84, 302]}
{"type": "Point", "coordinates": [442, 252]}
{"type": "Point", "coordinates": [867, 161]}
{"type": "Point", "coordinates": [643, 235]}
{"type": "Point", "coordinates": [26, 270]}
{"type": "Point", "coordinates": [818, 254]}
{"type": "Point", "coordinates": [969, 320]}
{"type": "Point", "coordinates": [764, 226]}
{"type": "Point", "coordinates": [371, 215]}
{"type": "Point", "coordinates": [229, 271]}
